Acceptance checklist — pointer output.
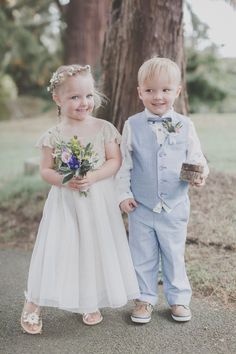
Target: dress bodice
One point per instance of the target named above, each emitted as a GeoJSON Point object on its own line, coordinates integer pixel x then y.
{"type": "Point", "coordinates": [107, 133]}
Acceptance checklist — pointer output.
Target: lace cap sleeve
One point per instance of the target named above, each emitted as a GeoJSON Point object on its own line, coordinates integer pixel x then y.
{"type": "Point", "coordinates": [111, 134]}
{"type": "Point", "coordinates": [47, 139]}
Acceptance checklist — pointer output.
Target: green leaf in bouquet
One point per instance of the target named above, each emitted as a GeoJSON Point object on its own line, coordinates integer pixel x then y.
{"type": "Point", "coordinates": [64, 169]}
{"type": "Point", "coordinates": [67, 178]}
{"type": "Point", "coordinates": [84, 194]}
{"type": "Point", "coordinates": [85, 167]}
{"type": "Point", "coordinates": [88, 148]}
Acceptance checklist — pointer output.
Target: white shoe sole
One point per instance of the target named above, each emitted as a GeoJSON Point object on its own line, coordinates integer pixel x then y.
{"type": "Point", "coordinates": [140, 320]}
{"type": "Point", "coordinates": [181, 319]}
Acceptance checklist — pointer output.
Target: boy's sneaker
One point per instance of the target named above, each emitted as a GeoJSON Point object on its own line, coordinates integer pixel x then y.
{"type": "Point", "coordinates": [142, 312]}
{"type": "Point", "coordinates": [181, 313]}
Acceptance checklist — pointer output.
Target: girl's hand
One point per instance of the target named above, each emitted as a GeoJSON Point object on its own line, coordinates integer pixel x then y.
{"type": "Point", "coordinates": [87, 180]}
{"type": "Point", "coordinates": [73, 184]}
{"type": "Point", "coordinates": [91, 178]}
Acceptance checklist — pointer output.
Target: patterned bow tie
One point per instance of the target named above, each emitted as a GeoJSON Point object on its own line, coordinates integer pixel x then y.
{"type": "Point", "coordinates": [159, 119]}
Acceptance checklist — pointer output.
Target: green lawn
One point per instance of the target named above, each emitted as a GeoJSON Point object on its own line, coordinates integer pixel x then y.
{"type": "Point", "coordinates": [17, 140]}
{"type": "Point", "coordinates": [217, 133]}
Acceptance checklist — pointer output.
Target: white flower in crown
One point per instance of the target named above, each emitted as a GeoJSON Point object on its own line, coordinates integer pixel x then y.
{"type": "Point", "coordinates": [57, 78]}
{"type": "Point", "coordinates": [72, 71]}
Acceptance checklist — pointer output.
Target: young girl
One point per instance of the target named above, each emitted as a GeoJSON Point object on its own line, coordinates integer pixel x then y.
{"type": "Point", "coordinates": [81, 260]}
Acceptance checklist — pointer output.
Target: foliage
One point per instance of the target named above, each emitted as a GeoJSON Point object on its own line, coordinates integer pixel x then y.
{"type": "Point", "coordinates": [204, 69]}
{"type": "Point", "coordinates": [8, 93]}
{"type": "Point", "coordinates": [228, 80]}
{"type": "Point", "coordinates": [203, 80]}
{"type": "Point", "coordinates": [29, 47]}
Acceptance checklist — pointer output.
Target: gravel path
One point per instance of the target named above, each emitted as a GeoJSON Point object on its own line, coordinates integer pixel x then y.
{"type": "Point", "coordinates": [212, 329]}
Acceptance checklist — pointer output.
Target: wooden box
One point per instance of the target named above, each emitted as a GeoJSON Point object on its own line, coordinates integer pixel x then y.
{"type": "Point", "coordinates": [191, 173]}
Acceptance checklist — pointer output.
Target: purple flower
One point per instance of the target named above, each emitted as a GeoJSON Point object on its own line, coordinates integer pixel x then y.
{"type": "Point", "coordinates": [73, 163]}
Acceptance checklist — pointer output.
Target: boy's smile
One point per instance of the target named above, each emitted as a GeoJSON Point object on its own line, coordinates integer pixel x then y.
{"type": "Point", "coordinates": [159, 93]}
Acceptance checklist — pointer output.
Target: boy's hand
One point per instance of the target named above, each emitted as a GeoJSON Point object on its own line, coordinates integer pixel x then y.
{"type": "Point", "coordinates": [200, 183]}
{"type": "Point", "coordinates": [128, 205]}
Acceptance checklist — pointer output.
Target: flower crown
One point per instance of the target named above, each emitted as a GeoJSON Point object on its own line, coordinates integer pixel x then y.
{"type": "Point", "coordinates": [59, 76]}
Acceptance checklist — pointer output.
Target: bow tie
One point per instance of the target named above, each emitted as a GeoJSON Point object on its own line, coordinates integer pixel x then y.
{"type": "Point", "coordinates": [159, 119]}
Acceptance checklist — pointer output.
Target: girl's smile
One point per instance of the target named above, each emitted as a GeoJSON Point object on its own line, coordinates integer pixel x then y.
{"type": "Point", "coordinates": [76, 97]}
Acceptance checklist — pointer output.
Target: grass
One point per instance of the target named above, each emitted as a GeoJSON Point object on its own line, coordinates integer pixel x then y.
{"type": "Point", "coordinates": [211, 242]}
{"type": "Point", "coordinates": [18, 137]}
{"type": "Point", "coordinates": [17, 140]}
{"type": "Point", "coordinates": [217, 135]}
{"type": "Point", "coordinates": [22, 185]}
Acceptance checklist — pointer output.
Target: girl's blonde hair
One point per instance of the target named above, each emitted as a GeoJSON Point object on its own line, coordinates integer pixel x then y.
{"type": "Point", "coordinates": [156, 66]}
{"type": "Point", "coordinates": [65, 71]}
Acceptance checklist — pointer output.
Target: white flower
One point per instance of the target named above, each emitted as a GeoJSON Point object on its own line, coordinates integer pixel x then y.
{"type": "Point", "coordinates": [65, 156]}
{"type": "Point", "coordinates": [31, 318]}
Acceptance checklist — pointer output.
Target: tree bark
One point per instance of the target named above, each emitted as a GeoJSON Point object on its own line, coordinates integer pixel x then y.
{"type": "Point", "coordinates": [138, 30]}
{"type": "Point", "coordinates": [86, 24]}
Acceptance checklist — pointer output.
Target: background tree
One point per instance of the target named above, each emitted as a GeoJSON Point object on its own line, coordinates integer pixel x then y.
{"type": "Point", "coordinates": [205, 71]}
{"type": "Point", "coordinates": [29, 48]}
{"type": "Point", "coordinates": [85, 27]}
{"type": "Point", "coordinates": [137, 31]}
{"type": "Point", "coordinates": [36, 37]}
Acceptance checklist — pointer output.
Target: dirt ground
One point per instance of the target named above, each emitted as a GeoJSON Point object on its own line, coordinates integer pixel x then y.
{"type": "Point", "coordinates": [211, 242]}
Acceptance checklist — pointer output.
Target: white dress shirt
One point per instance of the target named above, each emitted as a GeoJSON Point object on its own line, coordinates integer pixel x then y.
{"type": "Point", "coordinates": [194, 156]}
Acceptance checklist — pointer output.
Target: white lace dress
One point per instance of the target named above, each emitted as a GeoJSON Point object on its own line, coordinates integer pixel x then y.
{"type": "Point", "coordinates": [81, 259]}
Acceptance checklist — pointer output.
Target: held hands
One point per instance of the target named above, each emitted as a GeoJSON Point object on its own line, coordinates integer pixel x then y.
{"type": "Point", "coordinates": [78, 183]}
{"type": "Point", "coordinates": [128, 205]}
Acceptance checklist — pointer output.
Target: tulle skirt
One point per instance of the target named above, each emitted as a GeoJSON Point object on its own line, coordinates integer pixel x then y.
{"type": "Point", "coordinates": [81, 259]}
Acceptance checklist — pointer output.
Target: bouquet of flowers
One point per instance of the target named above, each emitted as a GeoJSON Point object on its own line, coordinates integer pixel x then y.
{"type": "Point", "coordinates": [72, 159]}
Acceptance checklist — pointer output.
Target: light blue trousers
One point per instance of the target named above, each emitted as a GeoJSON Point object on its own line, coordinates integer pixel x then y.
{"type": "Point", "coordinates": [152, 237]}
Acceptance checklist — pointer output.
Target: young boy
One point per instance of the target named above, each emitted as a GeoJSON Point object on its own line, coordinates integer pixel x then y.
{"type": "Point", "coordinates": [154, 145]}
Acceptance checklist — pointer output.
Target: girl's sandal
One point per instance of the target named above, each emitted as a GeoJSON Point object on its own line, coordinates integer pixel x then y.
{"type": "Point", "coordinates": [31, 322]}
{"type": "Point", "coordinates": [88, 318]}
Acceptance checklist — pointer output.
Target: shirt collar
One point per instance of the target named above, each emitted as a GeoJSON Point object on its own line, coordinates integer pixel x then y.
{"type": "Point", "coordinates": [167, 114]}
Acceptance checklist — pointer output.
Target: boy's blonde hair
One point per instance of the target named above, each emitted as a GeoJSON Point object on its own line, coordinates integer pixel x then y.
{"type": "Point", "coordinates": [65, 71]}
{"type": "Point", "coordinates": [157, 66]}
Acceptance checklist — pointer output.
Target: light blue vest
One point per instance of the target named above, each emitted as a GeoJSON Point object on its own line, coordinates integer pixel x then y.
{"type": "Point", "coordinates": [156, 169]}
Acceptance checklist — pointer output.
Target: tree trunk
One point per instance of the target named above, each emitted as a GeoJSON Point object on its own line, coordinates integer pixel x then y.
{"type": "Point", "coordinates": [138, 30]}
{"type": "Point", "coordinates": [86, 24]}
